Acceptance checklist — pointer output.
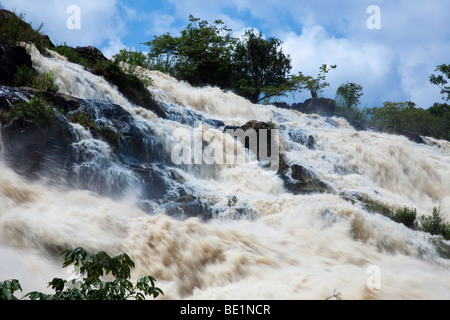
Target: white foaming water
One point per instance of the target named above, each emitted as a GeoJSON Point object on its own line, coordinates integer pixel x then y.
{"type": "Point", "coordinates": [294, 247]}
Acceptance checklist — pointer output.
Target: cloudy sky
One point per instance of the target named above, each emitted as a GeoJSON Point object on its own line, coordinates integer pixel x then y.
{"type": "Point", "coordinates": [392, 62]}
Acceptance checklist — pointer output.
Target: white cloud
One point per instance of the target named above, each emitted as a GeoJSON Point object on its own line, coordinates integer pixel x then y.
{"type": "Point", "coordinates": [368, 64]}
{"type": "Point", "coordinates": [161, 23]}
{"type": "Point", "coordinates": [113, 47]}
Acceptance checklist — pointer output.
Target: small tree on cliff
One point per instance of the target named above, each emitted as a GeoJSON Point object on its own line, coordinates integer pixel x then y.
{"type": "Point", "coordinates": [261, 69]}
{"type": "Point", "coordinates": [315, 85]}
{"type": "Point", "coordinates": [347, 95]}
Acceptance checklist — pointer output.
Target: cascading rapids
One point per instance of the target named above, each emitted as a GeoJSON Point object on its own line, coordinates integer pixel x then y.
{"type": "Point", "coordinates": [261, 241]}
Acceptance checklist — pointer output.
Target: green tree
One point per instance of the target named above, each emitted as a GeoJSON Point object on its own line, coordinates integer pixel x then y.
{"type": "Point", "coordinates": [397, 116]}
{"type": "Point", "coordinates": [261, 68]}
{"type": "Point", "coordinates": [202, 53]}
{"type": "Point", "coordinates": [347, 95]}
{"type": "Point", "coordinates": [207, 54]}
{"type": "Point", "coordinates": [442, 80]}
{"type": "Point", "coordinates": [389, 117]}
{"type": "Point", "coordinates": [317, 84]}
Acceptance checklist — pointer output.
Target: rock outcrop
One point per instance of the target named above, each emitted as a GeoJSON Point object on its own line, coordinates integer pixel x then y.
{"type": "Point", "coordinates": [299, 180]}
{"type": "Point", "coordinates": [12, 58]}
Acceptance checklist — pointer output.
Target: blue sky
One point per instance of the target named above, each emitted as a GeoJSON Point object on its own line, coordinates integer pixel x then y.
{"type": "Point", "coordinates": [392, 63]}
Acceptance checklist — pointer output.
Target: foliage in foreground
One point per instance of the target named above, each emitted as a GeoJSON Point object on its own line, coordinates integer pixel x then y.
{"type": "Point", "coordinates": [92, 268]}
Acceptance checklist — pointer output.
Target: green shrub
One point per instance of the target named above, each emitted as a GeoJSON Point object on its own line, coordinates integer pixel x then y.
{"type": "Point", "coordinates": [24, 77]}
{"type": "Point", "coordinates": [38, 110]}
{"type": "Point", "coordinates": [377, 207]}
{"type": "Point", "coordinates": [73, 56]}
{"type": "Point", "coordinates": [27, 77]}
{"type": "Point", "coordinates": [46, 82]}
{"type": "Point", "coordinates": [14, 29]}
{"type": "Point", "coordinates": [131, 86]}
{"type": "Point", "coordinates": [83, 119]}
{"type": "Point", "coordinates": [435, 224]}
{"type": "Point", "coordinates": [406, 216]}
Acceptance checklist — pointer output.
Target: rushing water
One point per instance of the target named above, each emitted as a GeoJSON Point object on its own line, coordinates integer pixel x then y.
{"type": "Point", "coordinates": [262, 242]}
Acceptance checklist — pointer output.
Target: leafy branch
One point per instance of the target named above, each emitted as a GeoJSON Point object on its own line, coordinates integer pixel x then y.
{"type": "Point", "coordinates": [92, 267]}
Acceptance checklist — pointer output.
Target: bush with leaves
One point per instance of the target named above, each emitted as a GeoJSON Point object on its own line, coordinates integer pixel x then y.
{"type": "Point", "coordinates": [406, 216]}
{"type": "Point", "coordinates": [8, 289]}
{"type": "Point", "coordinates": [27, 77]}
{"type": "Point", "coordinates": [93, 268]}
{"type": "Point", "coordinates": [435, 224]}
{"type": "Point", "coordinates": [38, 110]}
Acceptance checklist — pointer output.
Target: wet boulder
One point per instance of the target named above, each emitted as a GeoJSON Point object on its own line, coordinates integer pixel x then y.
{"type": "Point", "coordinates": [91, 53]}
{"type": "Point", "coordinates": [321, 106]}
{"type": "Point", "coordinates": [299, 180]}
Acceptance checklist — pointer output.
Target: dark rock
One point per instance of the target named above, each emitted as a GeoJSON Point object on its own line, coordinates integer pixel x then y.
{"type": "Point", "coordinates": [91, 53]}
{"type": "Point", "coordinates": [10, 59]}
{"type": "Point", "coordinates": [262, 155]}
{"type": "Point", "coordinates": [44, 39]}
{"type": "Point", "coordinates": [153, 182]}
{"type": "Point", "coordinates": [36, 150]}
{"type": "Point", "coordinates": [282, 105]}
{"type": "Point", "coordinates": [414, 137]}
{"type": "Point", "coordinates": [299, 173]}
{"type": "Point", "coordinates": [311, 143]}
{"type": "Point", "coordinates": [297, 135]}
{"type": "Point", "coordinates": [230, 128]}
{"type": "Point", "coordinates": [29, 148]}
{"type": "Point", "coordinates": [187, 206]}
{"type": "Point", "coordinates": [11, 95]}
{"type": "Point", "coordinates": [299, 180]}
{"type": "Point", "coordinates": [256, 125]}
{"type": "Point", "coordinates": [321, 106]}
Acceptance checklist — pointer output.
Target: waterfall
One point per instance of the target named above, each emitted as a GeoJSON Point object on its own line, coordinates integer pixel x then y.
{"type": "Point", "coordinates": [238, 232]}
